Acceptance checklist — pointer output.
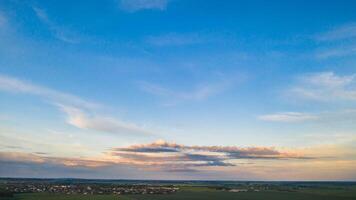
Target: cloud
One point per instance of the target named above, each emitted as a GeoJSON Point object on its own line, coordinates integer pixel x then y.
{"type": "Point", "coordinates": [171, 155]}
{"type": "Point", "coordinates": [335, 52]}
{"type": "Point", "coordinates": [59, 32]}
{"type": "Point", "coordinates": [162, 146]}
{"type": "Point", "coordinates": [325, 86]}
{"type": "Point", "coordinates": [3, 20]}
{"type": "Point", "coordinates": [156, 156]}
{"type": "Point", "coordinates": [80, 119]}
{"type": "Point", "coordinates": [137, 5]}
{"type": "Point", "coordinates": [346, 31]}
{"type": "Point", "coordinates": [19, 156]}
{"type": "Point", "coordinates": [17, 164]}
{"type": "Point", "coordinates": [288, 117]}
{"type": "Point", "coordinates": [43, 158]}
{"type": "Point", "coordinates": [175, 39]}
{"type": "Point", "coordinates": [337, 42]}
{"type": "Point", "coordinates": [199, 92]}
{"type": "Point", "coordinates": [190, 162]}
{"type": "Point", "coordinates": [15, 85]}
{"type": "Point", "coordinates": [330, 117]}
{"type": "Point", "coordinates": [76, 108]}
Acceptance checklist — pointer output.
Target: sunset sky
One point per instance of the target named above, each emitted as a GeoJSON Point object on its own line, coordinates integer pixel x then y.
{"type": "Point", "coordinates": [178, 89]}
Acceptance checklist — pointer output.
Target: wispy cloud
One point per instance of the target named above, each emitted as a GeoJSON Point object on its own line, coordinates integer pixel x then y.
{"type": "Point", "coordinates": [346, 31]}
{"type": "Point", "coordinates": [288, 117]}
{"type": "Point", "coordinates": [137, 5]}
{"type": "Point", "coordinates": [325, 86]}
{"type": "Point", "coordinates": [176, 39]}
{"type": "Point", "coordinates": [42, 158]}
{"type": "Point", "coordinates": [11, 84]}
{"type": "Point", "coordinates": [337, 42]}
{"type": "Point", "coordinates": [199, 92]}
{"type": "Point", "coordinates": [3, 19]}
{"type": "Point", "coordinates": [329, 117]}
{"type": "Point", "coordinates": [59, 32]}
{"type": "Point", "coordinates": [336, 52]}
{"type": "Point", "coordinates": [76, 108]}
{"type": "Point", "coordinates": [80, 119]}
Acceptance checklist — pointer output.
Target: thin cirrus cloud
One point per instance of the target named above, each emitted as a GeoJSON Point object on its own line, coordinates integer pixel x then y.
{"type": "Point", "coordinates": [333, 42]}
{"type": "Point", "coordinates": [288, 117]}
{"type": "Point", "coordinates": [336, 52]}
{"type": "Point", "coordinates": [14, 85]}
{"type": "Point", "coordinates": [80, 119]}
{"type": "Point", "coordinates": [59, 32]}
{"type": "Point", "coordinates": [324, 117]}
{"type": "Point", "coordinates": [199, 92]}
{"type": "Point", "coordinates": [176, 39]}
{"type": "Point", "coordinates": [325, 86]}
{"type": "Point", "coordinates": [3, 19]}
{"type": "Point", "coordinates": [137, 5]}
{"type": "Point", "coordinates": [77, 109]}
{"type": "Point", "coordinates": [347, 31]}
{"type": "Point", "coordinates": [321, 87]}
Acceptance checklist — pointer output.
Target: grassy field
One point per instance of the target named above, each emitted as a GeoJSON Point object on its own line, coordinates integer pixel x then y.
{"type": "Point", "coordinates": [203, 193]}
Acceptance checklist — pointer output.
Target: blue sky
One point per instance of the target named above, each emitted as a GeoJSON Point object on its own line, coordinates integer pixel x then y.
{"type": "Point", "coordinates": [78, 79]}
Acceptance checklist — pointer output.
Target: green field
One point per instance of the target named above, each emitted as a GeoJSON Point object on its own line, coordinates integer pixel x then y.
{"type": "Point", "coordinates": [204, 193]}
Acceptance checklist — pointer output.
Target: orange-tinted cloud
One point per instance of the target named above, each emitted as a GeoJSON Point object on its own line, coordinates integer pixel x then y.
{"type": "Point", "coordinates": [183, 157]}
{"type": "Point", "coordinates": [170, 160]}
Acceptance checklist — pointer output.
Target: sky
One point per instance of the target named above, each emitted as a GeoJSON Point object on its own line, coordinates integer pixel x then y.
{"type": "Point", "coordinates": [178, 89]}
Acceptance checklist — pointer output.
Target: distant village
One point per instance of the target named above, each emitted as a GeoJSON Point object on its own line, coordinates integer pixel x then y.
{"type": "Point", "coordinates": [91, 189]}
{"type": "Point", "coordinates": [9, 187]}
